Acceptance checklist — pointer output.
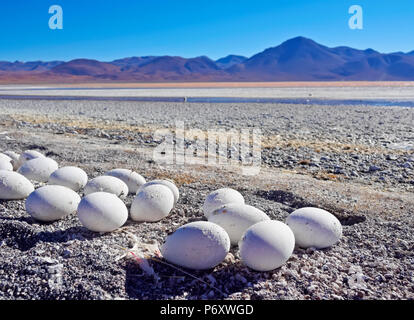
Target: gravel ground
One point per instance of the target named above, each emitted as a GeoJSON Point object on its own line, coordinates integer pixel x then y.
{"type": "Point", "coordinates": [357, 162]}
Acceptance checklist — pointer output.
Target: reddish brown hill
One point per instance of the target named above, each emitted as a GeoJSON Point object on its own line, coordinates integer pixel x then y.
{"type": "Point", "coordinates": [86, 67]}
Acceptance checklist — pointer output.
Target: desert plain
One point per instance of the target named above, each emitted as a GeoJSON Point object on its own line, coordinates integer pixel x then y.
{"type": "Point", "coordinates": [356, 161]}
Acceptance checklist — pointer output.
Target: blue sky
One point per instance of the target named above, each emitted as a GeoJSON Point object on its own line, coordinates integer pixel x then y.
{"type": "Point", "coordinates": [107, 30]}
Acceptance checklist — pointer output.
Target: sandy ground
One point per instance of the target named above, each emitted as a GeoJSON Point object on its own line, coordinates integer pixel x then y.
{"type": "Point", "coordinates": [357, 162]}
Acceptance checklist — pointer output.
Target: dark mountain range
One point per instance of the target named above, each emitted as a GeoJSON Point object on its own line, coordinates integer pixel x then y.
{"type": "Point", "coordinates": [304, 59]}
{"type": "Point", "coordinates": [176, 66]}
{"type": "Point", "coordinates": [127, 64]}
{"type": "Point", "coordinates": [229, 61]}
{"type": "Point", "coordinates": [298, 59]}
{"type": "Point", "coordinates": [28, 66]}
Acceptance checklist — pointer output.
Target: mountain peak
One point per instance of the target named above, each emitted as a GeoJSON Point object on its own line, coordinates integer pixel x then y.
{"type": "Point", "coordinates": [370, 51]}
{"type": "Point", "coordinates": [299, 41]}
{"type": "Point", "coordinates": [299, 45]}
{"type": "Point", "coordinates": [230, 60]}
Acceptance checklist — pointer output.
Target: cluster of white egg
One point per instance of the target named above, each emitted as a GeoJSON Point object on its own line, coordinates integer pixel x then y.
{"type": "Point", "coordinates": [101, 208]}
{"type": "Point", "coordinates": [264, 244]}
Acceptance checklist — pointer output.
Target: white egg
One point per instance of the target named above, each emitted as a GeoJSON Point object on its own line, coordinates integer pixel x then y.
{"type": "Point", "coordinates": [38, 169]}
{"type": "Point", "coordinates": [152, 203]}
{"type": "Point", "coordinates": [5, 165]}
{"type": "Point", "coordinates": [236, 219]}
{"type": "Point", "coordinates": [5, 157]}
{"type": "Point", "coordinates": [266, 245]}
{"type": "Point", "coordinates": [220, 197]}
{"type": "Point", "coordinates": [71, 177]}
{"type": "Point", "coordinates": [107, 184]}
{"type": "Point", "coordinates": [50, 203]}
{"type": "Point", "coordinates": [166, 183]}
{"type": "Point", "coordinates": [197, 245]}
{"type": "Point", "coordinates": [14, 186]}
{"type": "Point", "coordinates": [29, 155]}
{"type": "Point", "coordinates": [314, 227]}
{"type": "Point", "coordinates": [14, 159]}
{"type": "Point", "coordinates": [102, 212]}
{"type": "Point", "coordinates": [132, 179]}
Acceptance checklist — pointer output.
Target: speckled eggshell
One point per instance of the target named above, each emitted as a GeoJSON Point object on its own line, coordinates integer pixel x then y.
{"type": "Point", "coordinates": [197, 245]}
{"type": "Point", "coordinates": [29, 155]}
{"type": "Point", "coordinates": [107, 184]}
{"type": "Point", "coordinates": [14, 159]}
{"type": "Point", "coordinates": [220, 197]}
{"type": "Point", "coordinates": [14, 186]}
{"type": "Point", "coordinates": [132, 179]}
{"type": "Point", "coordinates": [166, 183]}
{"type": "Point", "coordinates": [152, 203]}
{"type": "Point", "coordinates": [236, 219]}
{"type": "Point", "coordinates": [102, 212]}
{"type": "Point", "coordinates": [50, 203]}
{"type": "Point", "coordinates": [5, 165]}
{"type": "Point", "coordinates": [38, 169]}
{"type": "Point", "coordinates": [266, 245]}
{"type": "Point", "coordinates": [314, 227]}
{"type": "Point", "coordinates": [71, 177]}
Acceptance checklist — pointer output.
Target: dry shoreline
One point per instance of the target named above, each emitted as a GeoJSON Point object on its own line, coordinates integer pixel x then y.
{"type": "Point", "coordinates": [335, 92]}
{"type": "Point", "coordinates": [222, 84]}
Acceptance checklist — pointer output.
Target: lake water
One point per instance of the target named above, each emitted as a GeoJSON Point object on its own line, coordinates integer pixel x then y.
{"type": "Point", "coordinates": [371, 96]}
{"type": "Point", "coordinates": [309, 101]}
